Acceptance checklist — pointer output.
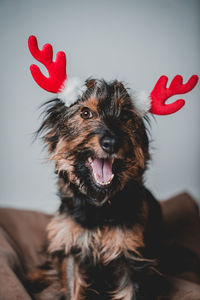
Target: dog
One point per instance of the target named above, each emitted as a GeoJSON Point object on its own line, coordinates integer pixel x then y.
{"type": "Point", "coordinates": [98, 242]}
{"type": "Point", "coordinates": [103, 241]}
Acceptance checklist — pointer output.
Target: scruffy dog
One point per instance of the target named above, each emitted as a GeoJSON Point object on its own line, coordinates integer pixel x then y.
{"type": "Point", "coordinates": [102, 242]}
{"type": "Point", "coordinates": [99, 238]}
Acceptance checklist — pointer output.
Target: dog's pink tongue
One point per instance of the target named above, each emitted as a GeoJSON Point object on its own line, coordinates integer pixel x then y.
{"type": "Point", "coordinates": [102, 168]}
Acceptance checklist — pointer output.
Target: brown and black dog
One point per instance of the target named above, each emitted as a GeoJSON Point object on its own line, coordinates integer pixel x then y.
{"type": "Point", "coordinates": [101, 242]}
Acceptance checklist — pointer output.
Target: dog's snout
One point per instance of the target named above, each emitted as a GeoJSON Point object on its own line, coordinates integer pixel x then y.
{"type": "Point", "coordinates": [108, 144]}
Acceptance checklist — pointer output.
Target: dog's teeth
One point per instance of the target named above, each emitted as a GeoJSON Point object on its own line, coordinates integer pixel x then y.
{"type": "Point", "coordinates": [90, 160]}
{"type": "Point", "coordinates": [102, 183]}
{"type": "Point", "coordinates": [95, 177]}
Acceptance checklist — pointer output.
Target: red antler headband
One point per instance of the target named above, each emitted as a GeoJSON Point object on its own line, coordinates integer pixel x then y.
{"type": "Point", "coordinates": [155, 102]}
{"type": "Point", "coordinates": [69, 89]}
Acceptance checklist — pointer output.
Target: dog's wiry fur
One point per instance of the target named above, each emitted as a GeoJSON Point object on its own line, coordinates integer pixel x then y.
{"type": "Point", "coordinates": [99, 240]}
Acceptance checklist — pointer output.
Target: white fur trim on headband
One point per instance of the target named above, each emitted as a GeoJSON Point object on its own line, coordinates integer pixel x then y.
{"type": "Point", "coordinates": [142, 102]}
{"type": "Point", "coordinates": [73, 89]}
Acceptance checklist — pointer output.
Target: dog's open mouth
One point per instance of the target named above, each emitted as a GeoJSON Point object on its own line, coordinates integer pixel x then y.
{"type": "Point", "coordinates": [101, 170]}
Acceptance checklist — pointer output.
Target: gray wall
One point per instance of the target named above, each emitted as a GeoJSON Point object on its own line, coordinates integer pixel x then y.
{"type": "Point", "coordinates": [133, 41]}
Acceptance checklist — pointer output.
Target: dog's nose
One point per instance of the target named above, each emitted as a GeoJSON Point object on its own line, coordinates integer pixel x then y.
{"type": "Point", "coordinates": [108, 144]}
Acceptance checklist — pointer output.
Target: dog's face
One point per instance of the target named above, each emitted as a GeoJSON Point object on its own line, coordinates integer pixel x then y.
{"type": "Point", "coordinates": [99, 143]}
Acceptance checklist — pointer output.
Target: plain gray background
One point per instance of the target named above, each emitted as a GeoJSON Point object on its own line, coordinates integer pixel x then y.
{"type": "Point", "coordinates": [133, 41]}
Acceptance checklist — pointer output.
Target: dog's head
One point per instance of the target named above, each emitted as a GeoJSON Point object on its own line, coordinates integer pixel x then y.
{"type": "Point", "coordinates": [99, 143]}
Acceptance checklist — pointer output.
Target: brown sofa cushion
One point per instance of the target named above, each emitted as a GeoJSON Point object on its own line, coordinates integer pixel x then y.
{"type": "Point", "coordinates": [22, 234]}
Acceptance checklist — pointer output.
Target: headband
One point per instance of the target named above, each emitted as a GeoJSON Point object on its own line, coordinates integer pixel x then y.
{"type": "Point", "coordinates": [69, 89]}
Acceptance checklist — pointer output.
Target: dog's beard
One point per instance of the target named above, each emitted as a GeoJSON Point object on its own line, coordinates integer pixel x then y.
{"type": "Point", "coordinates": [99, 178]}
{"type": "Point", "coordinates": [86, 173]}
{"type": "Point", "coordinates": [96, 179]}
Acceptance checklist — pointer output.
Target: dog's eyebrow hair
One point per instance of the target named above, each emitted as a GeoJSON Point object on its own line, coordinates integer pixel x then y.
{"type": "Point", "coordinates": [71, 114]}
{"type": "Point", "coordinates": [96, 131]}
{"type": "Point", "coordinates": [81, 145]}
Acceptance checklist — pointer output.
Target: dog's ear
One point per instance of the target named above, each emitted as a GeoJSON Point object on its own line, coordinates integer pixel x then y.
{"type": "Point", "coordinates": [54, 114]}
{"type": "Point", "coordinates": [90, 83]}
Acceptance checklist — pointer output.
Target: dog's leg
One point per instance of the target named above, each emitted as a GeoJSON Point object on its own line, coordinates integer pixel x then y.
{"type": "Point", "coordinates": [124, 294]}
{"type": "Point", "coordinates": [73, 280]}
{"type": "Point", "coordinates": [124, 289]}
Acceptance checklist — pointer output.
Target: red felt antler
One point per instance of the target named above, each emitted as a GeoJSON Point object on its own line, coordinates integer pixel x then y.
{"type": "Point", "coordinates": [161, 93]}
{"type": "Point", "coordinates": [57, 69]}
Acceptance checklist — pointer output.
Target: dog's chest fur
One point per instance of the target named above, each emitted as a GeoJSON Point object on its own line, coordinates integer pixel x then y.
{"type": "Point", "coordinates": [103, 244]}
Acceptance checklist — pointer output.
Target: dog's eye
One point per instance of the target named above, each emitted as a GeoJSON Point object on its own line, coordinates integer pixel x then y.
{"type": "Point", "coordinates": [86, 113]}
